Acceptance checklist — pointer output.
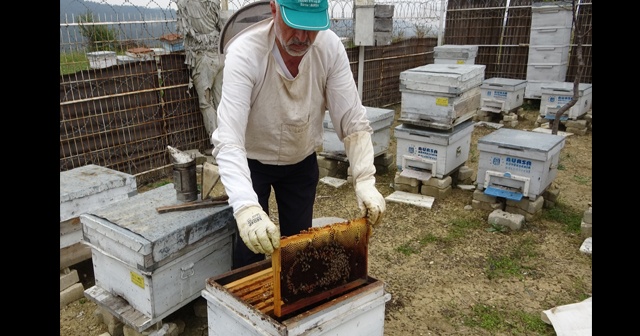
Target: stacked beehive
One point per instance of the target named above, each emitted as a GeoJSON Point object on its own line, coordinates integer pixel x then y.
{"type": "Point", "coordinates": [434, 137]}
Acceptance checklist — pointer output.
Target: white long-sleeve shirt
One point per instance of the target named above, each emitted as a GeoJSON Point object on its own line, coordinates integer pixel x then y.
{"type": "Point", "coordinates": [266, 116]}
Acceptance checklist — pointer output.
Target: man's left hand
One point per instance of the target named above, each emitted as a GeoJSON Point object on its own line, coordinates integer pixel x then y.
{"type": "Point", "coordinates": [372, 204]}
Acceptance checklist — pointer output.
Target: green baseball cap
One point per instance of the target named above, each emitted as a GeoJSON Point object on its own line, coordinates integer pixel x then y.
{"type": "Point", "coordinates": [305, 14]}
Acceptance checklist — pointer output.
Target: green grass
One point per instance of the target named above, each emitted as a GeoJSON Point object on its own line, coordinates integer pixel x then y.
{"type": "Point", "coordinates": [562, 214]}
{"type": "Point", "coordinates": [495, 320]}
{"type": "Point", "coordinates": [510, 264]}
{"type": "Point", "coordinates": [459, 227]}
{"type": "Point", "coordinates": [584, 180]}
{"type": "Point", "coordinates": [73, 62]}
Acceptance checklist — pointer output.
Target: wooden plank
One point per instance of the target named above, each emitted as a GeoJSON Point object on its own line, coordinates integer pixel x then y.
{"type": "Point", "coordinates": [247, 279]}
{"type": "Point", "coordinates": [194, 205]}
{"type": "Point", "coordinates": [74, 254]}
{"type": "Point", "coordinates": [119, 308]}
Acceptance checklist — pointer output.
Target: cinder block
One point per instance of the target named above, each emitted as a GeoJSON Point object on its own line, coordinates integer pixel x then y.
{"type": "Point", "coordinates": [440, 183]}
{"type": "Point", "coordinates": [527, 215]}
{"type": "Point", "coordinates": [479, 195]}
{"type": "Point", "coordinates": [506, 219]}
{"type": "Point", "coordinates": [68, 278]}
{"type": "Point", "coordinates": [73, 293]}
{"type": "Point", "coordinates": [586, 230]}
{"type": "Point", "coordinates": [410, 181]}
{"type": "Point", "coordinates": [464, 173]}
{"type": "Point", "coordinates": [435, 192]}
{"type": "Point", "coordinates": [114, 325]}
{"type": "Point", "coordinates": [587, 216]}
{"type": "Point", "coordinates": [478, 205]}
{"type": "Point", "coordinates": [407, 188]}
{"type": "Point", "coordinates": [527, 205]}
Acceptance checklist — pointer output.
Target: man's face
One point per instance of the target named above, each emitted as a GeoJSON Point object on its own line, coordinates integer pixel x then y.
{"type": "Point", "coordinates": [295, 42]}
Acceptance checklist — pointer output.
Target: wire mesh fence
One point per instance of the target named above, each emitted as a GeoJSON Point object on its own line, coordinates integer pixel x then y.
{"type": "Point", "coordinates": [125, 90]}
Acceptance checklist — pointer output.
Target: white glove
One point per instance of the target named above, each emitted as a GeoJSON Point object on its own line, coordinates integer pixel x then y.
{"type": "Point", "coordinates": [359, 150]}
{"type": "Point", "coordinates": [257, 231]}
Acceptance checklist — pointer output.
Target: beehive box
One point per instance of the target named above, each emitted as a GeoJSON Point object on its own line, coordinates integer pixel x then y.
{"type": "Point", "coordinates": [514, 163]}
{"type": "Point", "coordinates": [172, 42]}
{"type": "Point", "coordinates": [424, 153]}
{"type": "Point", "coordinates": [556, 95]}
{"type": "Point", "coordinates": [502, 94]}
{"type": "Point", "coordinates": [380, 120]}
{"type": "Point", "coordinates": [357, 312]}
{"type": "Point", "coordinates": [149, 264]}
{"type": "Point", "coordinates": [442, 78]}
{"type": "Point", "coordinates": [102, 59]}
{"type": "Point", "coordinates": [84, 189]}
{"type": "Point", "coordinates": [455, 54]}
{"type": "Point", "coordinates": [554, 72]}
{"type": "Point", "coordinates": [442, 111]}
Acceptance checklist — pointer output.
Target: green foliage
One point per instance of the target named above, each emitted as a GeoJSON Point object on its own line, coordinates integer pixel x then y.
{"type": "Point", "coordinates": [562, 214]}
{"type": "Point", "coordinates": [99, 38]}
{"type": "Point", "coordinates": [497, 228]}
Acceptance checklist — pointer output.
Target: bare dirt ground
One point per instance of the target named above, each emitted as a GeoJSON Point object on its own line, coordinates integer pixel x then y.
{"type": "Point", "coordinates": [445, 282]}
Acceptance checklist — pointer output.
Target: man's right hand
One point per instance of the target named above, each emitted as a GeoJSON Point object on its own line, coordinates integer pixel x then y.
{"type": "Point", "coordinates": [257, 231]}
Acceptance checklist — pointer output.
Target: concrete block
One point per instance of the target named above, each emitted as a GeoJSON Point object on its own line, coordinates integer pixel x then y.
{"type": "Point", "coordinates": [587, 216]}
{"type": "Point", "coordinates": [68, 278]}
{"type": "Point", "coordinates": [73, 293]}
{"type": "Point", "coordinates": [410, 181]}
{"type": "Point", "coordinates": [435, 192]}
{"type": "Point", "coordinates": [510, 117]}
{"type": "Point", "coordinates": [485, 205]}
{"type": "Point", "coordinates": [407, 188]}
{"type": "Point", "coordinates": [114, 325]}
{"type": "Point", "coordinates": [551, 193]}
{"type": "Point", "coordinates": [465, 173]}
{"type": "Point", "coordinates": [440, 183]}
{"type": "Point", "coordinates": [383, 11]}
{"type": "Point", "coordinates": [506, 219]}
{"type": "Point", "coordinates": [479, 195]}
{"type": "Point", "coordinates": [579, 124]}
{"type": "Point", "coordinates": [586, 229]}
{"type": "Point", "coordinates": [578, 131]}
{"type": "Point", "coordinates": [527, 205]}
{"type": "Point", "coordinates": [527, 215]}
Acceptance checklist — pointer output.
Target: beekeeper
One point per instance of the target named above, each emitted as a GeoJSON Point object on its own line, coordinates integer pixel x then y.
{"type": "Point", "coordinates": [280, 76]}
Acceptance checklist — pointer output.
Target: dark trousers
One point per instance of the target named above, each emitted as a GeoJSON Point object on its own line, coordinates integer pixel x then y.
{"type": "Point", "coordinates": [294, 187]}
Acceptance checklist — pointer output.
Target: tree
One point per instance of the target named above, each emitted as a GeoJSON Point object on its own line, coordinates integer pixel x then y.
{"type": "Point", "coordinates": [99, 37]}
{"type": "Point", "coordinates": [578, 35]}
